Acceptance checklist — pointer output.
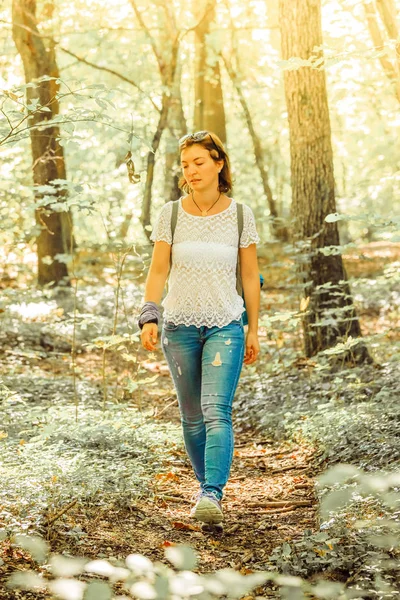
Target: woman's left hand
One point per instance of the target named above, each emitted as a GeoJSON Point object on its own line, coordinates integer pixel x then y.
{"type": "Point", "coordinates": [252, 348]}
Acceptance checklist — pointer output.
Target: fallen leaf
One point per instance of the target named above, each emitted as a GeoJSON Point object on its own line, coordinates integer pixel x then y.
{"type": "Point", "coordinates": [166, 544]}
{"type": "Point", "coordinates": [167, 476]}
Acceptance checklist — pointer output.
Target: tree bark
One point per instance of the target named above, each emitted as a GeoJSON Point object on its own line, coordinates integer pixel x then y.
{"type": "Point", "coordinates": [177, 128]}
{"type": "Point", "coordinates": [167, 60]}
{"type": "Point", "coordinates": [331, 317]}
{"type": "Point", "coordinates": [278, 228]}
{"type": "Point", "coordinates": [209, 112]}
{"type": "Point", "coordinates": [47, 154]}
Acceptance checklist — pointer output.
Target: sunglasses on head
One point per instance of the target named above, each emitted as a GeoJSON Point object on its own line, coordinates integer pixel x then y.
{"type": "Point", "coordinates": [199, 136]}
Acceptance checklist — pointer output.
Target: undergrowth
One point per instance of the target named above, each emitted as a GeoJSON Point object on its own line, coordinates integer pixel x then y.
{"type": "Point", "coordinates": [105, 456]}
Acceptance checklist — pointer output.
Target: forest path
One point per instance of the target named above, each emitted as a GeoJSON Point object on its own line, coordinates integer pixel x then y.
{"type": "Point", "coordinates": [269, 498]}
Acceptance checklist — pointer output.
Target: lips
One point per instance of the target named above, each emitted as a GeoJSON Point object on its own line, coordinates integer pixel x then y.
{"type": "Point", "coordinates": [195, 180]}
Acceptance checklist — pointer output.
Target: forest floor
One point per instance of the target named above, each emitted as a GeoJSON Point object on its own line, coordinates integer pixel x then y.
{"type": "Point", "coordinates": [269, 499]}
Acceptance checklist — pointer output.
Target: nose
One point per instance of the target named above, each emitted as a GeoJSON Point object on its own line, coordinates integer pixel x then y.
{"type": "Point", "coordinates": [192, 171]}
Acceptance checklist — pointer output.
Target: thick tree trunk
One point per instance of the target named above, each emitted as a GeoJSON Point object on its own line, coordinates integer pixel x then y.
{"type": "Point", "coordinates": [47, 154]}
{"type": "Point", "coordinates": [209, 112]}
{"type": "Point", "coordinates": [330, 317]}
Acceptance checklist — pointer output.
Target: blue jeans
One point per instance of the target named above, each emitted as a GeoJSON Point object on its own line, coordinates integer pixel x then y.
{"type": "Point", "coordinates": [205, 364]}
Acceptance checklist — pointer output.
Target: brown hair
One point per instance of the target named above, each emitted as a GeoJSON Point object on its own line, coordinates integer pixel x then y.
{"type": "Point", "coordinates": [211, 142]}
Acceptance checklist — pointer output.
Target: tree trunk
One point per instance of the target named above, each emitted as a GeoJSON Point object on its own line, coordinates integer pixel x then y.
{"type": "Point", "coordinates": [330, 317]}
{"type": "Point", "coordinates": [47, 154]}
{"type": "Point", "coordinates": [69, 242]}
{"type": "Point", "coordinates": [167, 59]}
{"type": "Point", "coordinates": [279, 229]}
{"type": "Point", "coordinates": [177, 128]}
{"type": "Point", "coordinates": [209, 113]}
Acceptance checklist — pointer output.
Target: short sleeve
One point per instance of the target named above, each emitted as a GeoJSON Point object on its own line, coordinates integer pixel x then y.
{"type": "Point", "coordinates": [249, 233]}
{"type": "Point", "coordinates": [162, 228]}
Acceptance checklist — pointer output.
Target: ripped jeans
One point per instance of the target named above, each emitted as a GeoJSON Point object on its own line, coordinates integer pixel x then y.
{"type": "Point", "coordinates": [205, 364]}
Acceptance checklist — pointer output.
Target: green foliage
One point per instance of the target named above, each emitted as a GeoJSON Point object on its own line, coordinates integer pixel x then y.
{"type": "Point", "coordinates": [360, 536]}
{"type": "Point", "coordinates": [351, 416]}
{"type": "Point", "coordinates": [51, 452]}
{"type": "Point", "coordinates": [140, 578]}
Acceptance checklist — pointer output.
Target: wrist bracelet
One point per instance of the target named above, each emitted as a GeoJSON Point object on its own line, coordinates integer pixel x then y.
{"type": "Point", "coordinates": [150, 313]}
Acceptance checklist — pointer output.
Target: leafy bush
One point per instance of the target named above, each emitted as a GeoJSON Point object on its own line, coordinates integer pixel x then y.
{"type": "Point", "coordinates": [71, 578]}
{"type": "Point", "coordinates": [360, 537]}
{"type": "Point", "coordinates": [52, 452]}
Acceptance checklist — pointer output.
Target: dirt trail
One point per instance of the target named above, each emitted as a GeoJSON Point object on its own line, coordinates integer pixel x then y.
{"type": "Point", "coordinates": [269, 499]}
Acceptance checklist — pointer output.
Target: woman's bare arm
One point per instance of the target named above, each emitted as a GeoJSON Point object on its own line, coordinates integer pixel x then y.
{"type": "Point", "coordinates": [158, 272]}
{"type": "Point", "coordinates": [155, 283]}
{"type": "Point", "coordinates": [251, 284]}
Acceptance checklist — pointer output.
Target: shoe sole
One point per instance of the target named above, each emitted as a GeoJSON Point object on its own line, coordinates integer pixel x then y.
{"type": "Point", "coordinates": [207, 512]}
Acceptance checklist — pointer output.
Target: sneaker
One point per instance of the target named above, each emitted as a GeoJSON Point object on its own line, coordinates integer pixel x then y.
{"type": "Point", "coordinates": [207, 508]}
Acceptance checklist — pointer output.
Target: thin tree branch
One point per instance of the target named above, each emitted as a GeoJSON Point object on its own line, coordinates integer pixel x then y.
{"type": "Point", "coordinates": [51, 520]}
{"type": "Point", "coordinates": [14, 128]}
{"type": "Point", "coordinates": [379, 43]}
{"type": "Point", "coordinates": [151, 38]}
{"type": "Point", "coordinates": [14, 134]}
{"type": "Point", "coordinates": [112, 72]}
{"type": "Point", "coordinates": [209, 7]}
{"type": "Point", "coordinates": [156, 29]}
{"type": "Point", "coordinates": [6, 116]}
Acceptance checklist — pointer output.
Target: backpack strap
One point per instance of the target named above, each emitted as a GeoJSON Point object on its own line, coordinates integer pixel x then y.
{"type": "Point", "coordinates": [174, 220]}
{"type": "Point", "coordinates": [174, 217]}
{"type": "Point", "coordinates": [239, 212]}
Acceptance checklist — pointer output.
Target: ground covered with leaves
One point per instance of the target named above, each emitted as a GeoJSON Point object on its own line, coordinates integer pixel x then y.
{"type": "Point", "coordinates": [92, 454]}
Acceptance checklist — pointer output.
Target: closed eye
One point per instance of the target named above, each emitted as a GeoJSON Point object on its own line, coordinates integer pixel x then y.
{"type": "Point", "coordinates": [198, 164]}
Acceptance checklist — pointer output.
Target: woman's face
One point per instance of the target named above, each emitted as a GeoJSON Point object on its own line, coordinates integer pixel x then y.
{"type": "Point", "coordinates": [199, 169]}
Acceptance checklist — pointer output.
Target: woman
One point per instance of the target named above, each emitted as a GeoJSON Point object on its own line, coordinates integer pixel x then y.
{"type": "Point", "coordinates": [203, 338]}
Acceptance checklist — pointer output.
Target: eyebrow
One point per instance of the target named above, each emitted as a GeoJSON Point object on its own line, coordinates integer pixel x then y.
{"type": "Point", "coordinates": [197, 158]}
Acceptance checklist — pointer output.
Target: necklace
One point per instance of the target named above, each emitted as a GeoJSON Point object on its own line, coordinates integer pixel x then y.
{"type": "Point", "coordinates": [204, 212]}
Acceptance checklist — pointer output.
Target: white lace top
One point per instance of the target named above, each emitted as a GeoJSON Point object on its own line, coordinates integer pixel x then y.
{"type": "Point", "coordinates": [202, 280]}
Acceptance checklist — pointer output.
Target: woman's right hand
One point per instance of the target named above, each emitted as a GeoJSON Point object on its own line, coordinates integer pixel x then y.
{"type": "Point", "coordinates": [149, 335]}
